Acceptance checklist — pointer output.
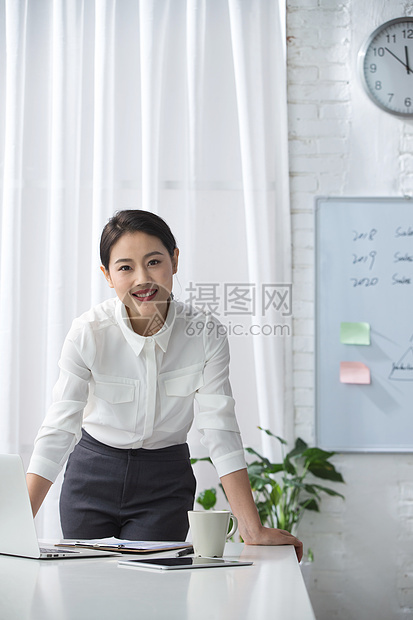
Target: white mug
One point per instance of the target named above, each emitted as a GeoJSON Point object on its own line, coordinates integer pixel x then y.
{"type": "Point", "coordinates": [209, 530]}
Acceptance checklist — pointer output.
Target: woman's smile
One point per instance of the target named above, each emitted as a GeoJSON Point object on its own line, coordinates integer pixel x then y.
{"type": "Point", "coordinates": [146, 294]}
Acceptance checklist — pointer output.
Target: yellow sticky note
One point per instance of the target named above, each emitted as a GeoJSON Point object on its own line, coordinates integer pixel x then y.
{"type": "Point", "coordinates": [355, 333]}
{"type": "Point", "coordinates": [354, 372]}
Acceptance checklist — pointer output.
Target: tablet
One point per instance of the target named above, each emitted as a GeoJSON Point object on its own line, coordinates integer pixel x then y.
{"type": "Point", "coordinates": [180, 563]}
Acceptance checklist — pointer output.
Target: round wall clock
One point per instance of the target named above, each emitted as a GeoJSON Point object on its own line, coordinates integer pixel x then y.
{"type": "Point", "coordinates": [385, 64]}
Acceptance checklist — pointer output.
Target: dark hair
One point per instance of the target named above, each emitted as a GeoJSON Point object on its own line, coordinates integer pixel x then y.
{"type": "Point", "coordinates": [134, 220]}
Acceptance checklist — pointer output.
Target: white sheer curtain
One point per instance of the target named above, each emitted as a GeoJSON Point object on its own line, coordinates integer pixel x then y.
{"type": "Point", "coordinates": [175, 106]}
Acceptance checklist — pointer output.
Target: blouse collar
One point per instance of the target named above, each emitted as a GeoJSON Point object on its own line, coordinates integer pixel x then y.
{"type": "Point", "coordinates": [136, 341]}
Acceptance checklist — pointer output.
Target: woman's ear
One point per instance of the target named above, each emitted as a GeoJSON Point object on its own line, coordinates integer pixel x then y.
{"type": "Point", "coordinates": [175, 260]}
{"type": "Point", "coordinates": [107, 276]}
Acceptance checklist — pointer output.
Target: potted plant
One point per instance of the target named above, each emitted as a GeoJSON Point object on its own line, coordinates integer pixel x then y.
{"type": "Point", "coordinates": [283, 491]}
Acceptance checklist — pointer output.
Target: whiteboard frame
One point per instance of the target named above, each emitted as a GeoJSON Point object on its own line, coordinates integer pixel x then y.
{"type": "Point", "coordinates": [391, 449]}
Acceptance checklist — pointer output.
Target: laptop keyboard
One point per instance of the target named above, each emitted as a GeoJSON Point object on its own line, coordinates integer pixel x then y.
{"type": "Point", "coordinates": [56, 550]}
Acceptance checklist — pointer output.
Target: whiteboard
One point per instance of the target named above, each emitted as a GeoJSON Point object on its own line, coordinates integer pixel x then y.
{"type": "Point", "coordinates": [364, 279]}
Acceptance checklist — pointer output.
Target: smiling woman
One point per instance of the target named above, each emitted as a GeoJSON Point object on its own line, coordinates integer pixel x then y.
{"type": "Point", "coordinates": [130, 373]}
{"type": "Point", "coordinates": [141, 270]}
{"type": "Point", "coordinates": [139, 258]}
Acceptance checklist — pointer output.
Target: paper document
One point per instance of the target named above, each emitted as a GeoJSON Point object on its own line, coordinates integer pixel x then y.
{"type": "Point", "coordinates": [125, 546]}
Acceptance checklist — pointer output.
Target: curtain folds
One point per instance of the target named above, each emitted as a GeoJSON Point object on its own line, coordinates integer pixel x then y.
{"type": "Point", "coordinates": [14, 51]}
{"type": "Point", "coordinates": [262, 112]}
{"type": "Point", "coordinates": [178, 107]}
{"type": "Point", "coordinates": [103, 137]}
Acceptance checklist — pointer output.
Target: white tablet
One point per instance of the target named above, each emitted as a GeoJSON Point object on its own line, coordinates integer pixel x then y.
{"type": "Point", "coordinates": [180, 563]}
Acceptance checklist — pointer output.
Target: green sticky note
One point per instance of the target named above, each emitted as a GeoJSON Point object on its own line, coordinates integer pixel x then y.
{"type": "Point", "coordinates": [355, 333]}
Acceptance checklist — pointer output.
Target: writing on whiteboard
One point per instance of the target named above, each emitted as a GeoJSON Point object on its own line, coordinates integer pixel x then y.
{"type": "Point", "coordinates": [361, 236]}
{"type": "Point", "coordinates": [396, 279]}
{"type": "Point", "coordinates": [364, 281]}
{"type": "Point", "coordinates": [406, 257]}
{"type": "Point", "coordinates": [403, 369]}
{"type": "Point", "coordinates": [367, 258]}
{"type": "Point", "coordinates": [404, 232]}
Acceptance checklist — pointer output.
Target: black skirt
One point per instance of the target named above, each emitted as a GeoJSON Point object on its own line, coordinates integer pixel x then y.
{"type": "Point", "coordinates": [131, 494]}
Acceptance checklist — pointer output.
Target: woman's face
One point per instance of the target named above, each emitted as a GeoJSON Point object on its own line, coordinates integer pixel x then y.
{"type": "Point", "coordinates": [141, 272]}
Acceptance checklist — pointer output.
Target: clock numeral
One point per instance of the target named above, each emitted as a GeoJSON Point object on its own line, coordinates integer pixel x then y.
{"type": "Point", "coordinates": [408, 34]}
{"type": "Point", "coordinates": [378, 51]}
{"type": "Point", "coordinates": [407, 102]}
{"type": "Point", "coordinates": [390, 95]}
{"type": "Point", "coordinates": [390, 38]}
{"type": "Point", "coordinates": [373, 68]}
{"type": "Point", "coordinates": [377, 85]}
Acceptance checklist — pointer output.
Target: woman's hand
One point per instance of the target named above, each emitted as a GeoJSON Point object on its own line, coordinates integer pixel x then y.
{"type": "Point", "coordinates": [272, 536]}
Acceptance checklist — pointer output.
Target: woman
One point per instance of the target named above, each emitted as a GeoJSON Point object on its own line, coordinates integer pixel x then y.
{"type": "Point", "coordinates": [130, 371]}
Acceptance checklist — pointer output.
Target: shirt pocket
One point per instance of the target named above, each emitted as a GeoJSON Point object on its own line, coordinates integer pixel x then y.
{"type": "Point", "coordinates": [177, 390]}
{"type": "Point", "coordinates": [117, 402]}
{"type": "Point", "coordinates": [184, 386]}
{"type": "Point", "coordinates": [115, 393]}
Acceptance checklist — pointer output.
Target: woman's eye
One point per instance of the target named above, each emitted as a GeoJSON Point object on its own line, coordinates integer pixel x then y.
{"type": "Point", "coordinates": [153, 262]}
{"type": "Point", "coordinates": [124, 268]}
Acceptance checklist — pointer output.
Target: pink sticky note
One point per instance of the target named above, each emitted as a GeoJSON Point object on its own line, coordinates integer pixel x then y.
{"type": "Point", "coordinates": [354, 372]}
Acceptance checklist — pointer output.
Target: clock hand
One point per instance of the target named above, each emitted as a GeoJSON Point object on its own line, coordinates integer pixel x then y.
{"type": "Point", "coordinates": [406, 51]}
{"type": "Point", "coordinates": [397, 58]}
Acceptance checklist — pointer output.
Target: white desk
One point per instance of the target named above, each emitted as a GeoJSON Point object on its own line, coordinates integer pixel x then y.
{"type": "Point", "coordinates": [98, 589]}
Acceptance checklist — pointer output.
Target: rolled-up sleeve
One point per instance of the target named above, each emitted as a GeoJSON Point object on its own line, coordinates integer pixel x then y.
{"type": "Point", "coordinates": [61, 428]}
{"type": "Point", "coordinates": [215, 418]}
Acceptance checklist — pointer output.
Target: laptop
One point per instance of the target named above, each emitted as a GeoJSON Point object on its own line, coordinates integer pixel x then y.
{"type": "Point", "coordinates": [17, 529]}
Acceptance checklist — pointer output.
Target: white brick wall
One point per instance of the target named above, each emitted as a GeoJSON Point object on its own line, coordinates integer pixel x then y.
{"type": "Point", "coordinates": [340, 144]}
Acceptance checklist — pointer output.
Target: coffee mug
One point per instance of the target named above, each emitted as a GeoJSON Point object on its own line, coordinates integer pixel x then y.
{"type": "Point", "coordinates": [209, 530]}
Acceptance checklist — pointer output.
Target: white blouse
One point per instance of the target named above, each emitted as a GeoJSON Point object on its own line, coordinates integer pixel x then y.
{"type": "Point", "coordinates": [131, 391]}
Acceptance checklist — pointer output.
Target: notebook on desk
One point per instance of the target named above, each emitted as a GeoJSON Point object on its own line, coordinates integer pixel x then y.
{"type": "Point", "coordinates": [18, 535]}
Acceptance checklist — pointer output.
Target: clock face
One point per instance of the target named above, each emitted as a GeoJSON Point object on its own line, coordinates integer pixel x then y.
{"type": "Point", "coordinates": [386, 66]}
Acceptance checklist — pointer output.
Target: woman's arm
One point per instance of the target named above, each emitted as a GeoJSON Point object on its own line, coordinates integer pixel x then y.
{"type": "Point", "coordinates": [38, 488]}
{"type": "Point", "coordinates": [61, 428]}
{"type": "Point", "coordinates": [238, 491]}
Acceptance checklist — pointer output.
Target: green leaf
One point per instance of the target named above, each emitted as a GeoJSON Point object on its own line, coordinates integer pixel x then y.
{"type": "Point", "coordinates": [293, 483]}
{"type": "Point", "coordinates": [264, 466]}
{"type": "Point", "coordinates": [275, 468]}
{"type": "Point", "coordinates": [328, 491]}
{"type": "Point", "coordinates": [316, 454]}
{"type": "Point", "coordinates": [326, 471]}
{"type": "Point", "coordinates": [262, 458]}
{"type": "Point", "coordinates": [299, 448]}
{"type": "Point", "coordinates": [207, 499]}
{"type": "Point", "coordinates": [289, 467]}
{"type": "Point", "coordinates": [281, 521]}
{"type": "Point", "coordinates": [266, 430]}
{"type": "Point", "coordinates": [257, 483]}
{"type": "Point", "coordinates": [256, 469]}
{"type": "Point", "coordinates": [205, 458]}
{"type": "Point", "coordinates": [310, 505]}
{"type": "Point", "coordinates": [310, 488]}
{"type": "Point", "coordinates": [258, 478]}
{"type": "Point", "coordinates": [276, 494]}
{"type": "Point", "coordinates": [264, 511]}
